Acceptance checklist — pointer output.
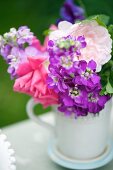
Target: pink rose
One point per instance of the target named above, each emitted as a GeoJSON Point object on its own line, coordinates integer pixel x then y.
{"type": "Point", "coordinates": [33, 74]}
{"type": "Point", "coordinates": [33, 81]}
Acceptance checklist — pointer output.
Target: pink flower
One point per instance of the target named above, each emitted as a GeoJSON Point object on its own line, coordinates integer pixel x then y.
{"type": "Point", "coordinates": [33, 74]}
{"type": "Point", "coordinates": [99, 43]}
{"type": "Point", "coordinates": [32, 81]}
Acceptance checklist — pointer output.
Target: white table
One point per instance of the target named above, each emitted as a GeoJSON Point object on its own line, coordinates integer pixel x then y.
{"type": "Point", "coordinates": [30, 142]}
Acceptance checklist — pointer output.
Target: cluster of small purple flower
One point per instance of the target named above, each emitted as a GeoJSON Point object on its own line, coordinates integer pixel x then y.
{"type": "Point", "coordinates": [65, 51]}
{"type": "Point", "coordinates": [12, 46]}
{"type": "Point", "coordinates": [76, 81]}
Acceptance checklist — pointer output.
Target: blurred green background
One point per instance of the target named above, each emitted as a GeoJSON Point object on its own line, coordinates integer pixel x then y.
{"type": "Point", "coordinates": [38, 15]}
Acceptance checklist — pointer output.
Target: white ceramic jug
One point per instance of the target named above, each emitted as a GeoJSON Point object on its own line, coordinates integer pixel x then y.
{"type": "Point", "coordinates": [83, 138]}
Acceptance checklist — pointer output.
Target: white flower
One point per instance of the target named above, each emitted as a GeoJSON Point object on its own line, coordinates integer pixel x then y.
{"type": "Point", "coordinates": [2, 41]}
{"type": "Point", "coordinates": [10, 35]}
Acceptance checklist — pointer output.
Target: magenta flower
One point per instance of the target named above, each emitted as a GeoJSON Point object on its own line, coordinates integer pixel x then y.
{"type": "Point", "coordinates": [32, 81]}
{"type": "Point", "coordinates": [87, 75]}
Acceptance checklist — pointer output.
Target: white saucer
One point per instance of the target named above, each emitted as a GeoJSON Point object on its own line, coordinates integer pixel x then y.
{"type": "Point", "coordinates": [66, 162]}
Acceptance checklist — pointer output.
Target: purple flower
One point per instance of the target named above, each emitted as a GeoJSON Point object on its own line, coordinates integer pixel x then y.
{"type": "Point", "coordinates": [80, 102]}
{"type": "Point", "coordinates": [12, 71]}
{"type": "Point", "coordinates": [16, 37]}
{"type": "Point", "coordinates": [24, 35]}
{"type": "Point", "coordinates": [72, 110]}
{"type": "Point", "coordinates": [76, 95]}
{"type": "Point", "coordinates": [2, 41]}
{"type": "Point", "coordinates": [13, 47]}
{"type": "Point", "coordinates": [65, 50]}
{"type": "Point", "coordinates": [76, 82]}
{"type": "Point", "coordinates": [16, 57]}
{"type": "Point", "coordinates": [11, 37]}
{"type": "Point", "coordinates": [87, 75]}
{"type": "Point", "coordinates": [5, 51]}
{"type": "Point", "coordinates": [96, 102]}
{"type": "Point", "coordinates": [71, 12]}
{"type": "Point", "coordinates": [56, 80]}
{"type": "Point", "coordinates": [74, 101]}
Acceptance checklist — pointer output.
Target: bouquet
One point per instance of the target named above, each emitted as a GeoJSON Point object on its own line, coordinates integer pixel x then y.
{"type": "Point", "coordinates": [73, 69]}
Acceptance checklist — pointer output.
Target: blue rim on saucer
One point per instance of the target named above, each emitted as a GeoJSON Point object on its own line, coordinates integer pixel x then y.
{"type": "Point", "coordinates": [63, 161]}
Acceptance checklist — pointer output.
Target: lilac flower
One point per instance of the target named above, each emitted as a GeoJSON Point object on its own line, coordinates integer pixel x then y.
{"type": "Point", "coordinates": [5, 51]}
{"type": "Point", "coordinates": [11, 36]}
{"type": "Point", "coordinates": [16, 57]}
{"type": "Point", "coordinates": [17, 37]}
{"type": "Point", "coordinates": [71, 12]}
{"type": "Point", "coordinates": [2, 41]}
{"type": "Point", "coordinates": [13, 47]}
{"type": "Point", "coordinates": [24, 35]}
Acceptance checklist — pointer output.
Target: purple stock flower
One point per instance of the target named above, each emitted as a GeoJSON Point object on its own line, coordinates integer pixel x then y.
{"type": "Point", "coordinates": [12, 71]}
{"type": "Point", "coordinates": [56, 80]}
{"type": "Point", "coordinates": [76, 81]}
{"type": "Point", "coordinates": [96, 102]}
{"type": "Point", "coordinates": [72, 110]}
{"type": "Point", "coordinates": [75, 96]}
{"type": "Point", "coordinates": [71, 12]}
{"type": "Point", "coordinates": [65, 50]}
{"type": "Point", "coordinates": [74, 101]}
{"type": "Point", "coordinates": [24, 35]}
{"type": "Point", "coordinates": [5, 51]}
{"type": "Point", "coordinates": [87, 75]}
{"type": "Point", "coordinates": [2, 41]}
{"type": "Point", "coordinates": [80, 102]}
{"type": "Point", "coordinates": [16, 57]}
{"type": "Point", "coordinates": [17, 37]}
{"type": "Point", "coordinates": [13, 47]}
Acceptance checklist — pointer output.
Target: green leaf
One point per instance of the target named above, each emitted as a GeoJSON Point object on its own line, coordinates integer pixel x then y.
{"type": "Point", "coordinates": [111, 78]}
{"type": "Point", "coordinates": [103, 91]}
{"type": "Point", "coordinates": [109, 88]}
{"type": "Point", "coordinates": [101, 19]}
{"type": "Point", "coordinates": [110, 29]}
{"type": "Point", "coordinates": [103, 80]}
{"type": "Point", "coordinates": [47, 32]}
